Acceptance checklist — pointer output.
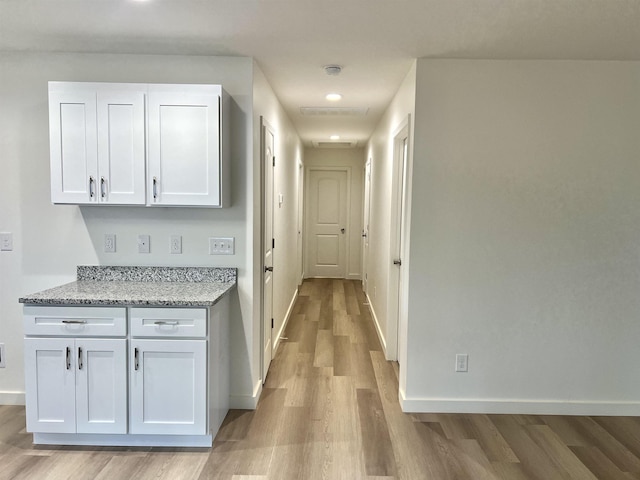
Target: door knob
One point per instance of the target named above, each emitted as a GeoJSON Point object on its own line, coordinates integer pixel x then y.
{"type": "Point", "coordinates": [397, 262]}
{"type": "Point", "coordinates": [342, 230]}
{"type": "Point", "coordinates": [268, 269]}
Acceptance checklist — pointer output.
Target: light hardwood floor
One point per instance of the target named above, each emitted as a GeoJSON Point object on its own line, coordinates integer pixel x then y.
{"type": "Point", "coordinates": [329, 410]}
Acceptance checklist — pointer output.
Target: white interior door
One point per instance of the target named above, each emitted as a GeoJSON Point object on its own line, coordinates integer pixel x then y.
{"type": "Point", "coordinates": [268, 160]}
{"type": "Point", "coordinates": [327, 205]}
{"type": "Point", "coordinates": [398, 209]}
{"type": "Point", "coordinates": [365, 225]}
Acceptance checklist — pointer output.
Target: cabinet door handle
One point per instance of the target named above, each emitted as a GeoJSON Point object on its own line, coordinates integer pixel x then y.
{"type": "Point", "coordinates": [74, 322]}
{"type": "Point", "coordinates": [103, 192]}
{"type": "Point", "coordinates": [165, 322]}
{"type": "Point", "coordinates": [136, 364]}
{"type": "Point", "coordinates": [91, 182]}
{"type": "Point", "coordinates": [155, 188]}
{"type": "Point", "coordinates": [79, 358]}
{"type": "Point", "coordinates": [68, 358]}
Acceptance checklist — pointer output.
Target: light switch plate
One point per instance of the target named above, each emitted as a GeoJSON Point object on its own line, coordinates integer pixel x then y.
{"type": "Point", "coordinates": [144, 244]}
{"type": "Point", "coordinates": [6, 242]}
{"type": "Point", "coordinates": [221, 245]}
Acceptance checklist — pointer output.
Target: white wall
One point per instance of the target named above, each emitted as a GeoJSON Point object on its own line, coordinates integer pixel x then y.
{"type": "Point", "coordinates": [353, 159]}
{"type": "Point", "coordinates": [380, 261]}
{"type": "Point", "coordinates": [289, 157]}
{"type": "Point", "coordinates": [525, 237]}
{"type": "Point", "coordinates": [49, 241]}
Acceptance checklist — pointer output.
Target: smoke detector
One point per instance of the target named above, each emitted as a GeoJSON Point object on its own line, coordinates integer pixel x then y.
{"type": "Point", "coordinates": [332, 69]}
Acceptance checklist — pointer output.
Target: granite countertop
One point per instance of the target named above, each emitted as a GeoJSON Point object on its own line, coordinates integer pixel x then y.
{"type": "Point", "coordinates": [162, 286]}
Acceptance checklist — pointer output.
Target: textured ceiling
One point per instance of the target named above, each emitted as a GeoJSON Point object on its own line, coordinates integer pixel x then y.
{"type": "Point", "coordinates": [375, 40]}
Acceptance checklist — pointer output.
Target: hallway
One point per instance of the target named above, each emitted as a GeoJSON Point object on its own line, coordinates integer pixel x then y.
{"type": "Point", "coordinates": [329, 410]}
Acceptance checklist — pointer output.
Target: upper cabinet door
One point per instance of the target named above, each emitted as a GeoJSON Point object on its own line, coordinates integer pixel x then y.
{"type": "Point", "coordinates": [72, 140]}
{"type": "Point", "coordinates": [121, 147]}
{"type": "Point", "coordinates": [184, 145]}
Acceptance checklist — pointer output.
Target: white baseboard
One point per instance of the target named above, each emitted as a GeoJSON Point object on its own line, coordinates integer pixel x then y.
{"type": "Point", "coordinates": [11, 398]}
{"type": "Point", "coordinates": [517, 406]}
{"type": "Point", "coordinates": [354, 276]}
{"type": "Point", "coordinates": [377, 325]}
{"type": "Point", "coordinates": [246, 402]}
{"type": "Point", "coordinates": [286, 321]}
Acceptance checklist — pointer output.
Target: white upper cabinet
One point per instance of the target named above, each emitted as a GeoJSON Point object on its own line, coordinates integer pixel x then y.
{"type": "Point", "coordinates": [137, 144]}
{"type": "Point", "coordinates": [121, 147]}
{"type": "Point", "coordinates": [184, 145]}
{"type": "Point", "coordinates": [97, 141]}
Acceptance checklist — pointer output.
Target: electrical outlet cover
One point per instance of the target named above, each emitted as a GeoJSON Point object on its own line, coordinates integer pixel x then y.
{"type": "Point", "coordinates": [175, 244]}
{"type": "Point", "coordinates": [109, 242]}
{"type": "Point", "coordinates": [144, 244]}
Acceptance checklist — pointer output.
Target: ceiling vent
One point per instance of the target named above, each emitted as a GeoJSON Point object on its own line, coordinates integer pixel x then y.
{"type": "Point", "coordinates": [342, 144]}
{"type": "Point", "coordinates": [334, 111]}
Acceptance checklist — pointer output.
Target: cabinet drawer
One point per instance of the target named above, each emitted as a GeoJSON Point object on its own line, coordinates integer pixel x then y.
{"type": "Point", "coordinates": [169, 322]}
{"type": "Point", "coordinates": [75, 321]}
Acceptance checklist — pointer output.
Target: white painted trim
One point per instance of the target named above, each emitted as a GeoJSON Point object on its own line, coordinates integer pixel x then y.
{"type": "Point", "coordinates": [516, 406]}
{"type": "Point", "coordinates": [377, 325]}
{"type": "Point", "coordinates": [12, 398]}
{"type": "Point", "coordinates": [354, 276]}
{"type": "Point", "coordinates": [123, 440]}
{"type": "Point", "coordinates": [246, 402]}
{"type": "Point", "coordinates": [286, 321]}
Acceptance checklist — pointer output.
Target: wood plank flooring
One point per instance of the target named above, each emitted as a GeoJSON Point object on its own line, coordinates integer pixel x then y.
{"type": "Point", "coordinates": [329, 410]}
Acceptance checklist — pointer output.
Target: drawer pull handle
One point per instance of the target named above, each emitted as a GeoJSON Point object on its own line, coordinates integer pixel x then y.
{"type": "Point", "coordinates": [79, 358]}
{"type": "Point", "coordinates": [74, 322]}
{"type": "Point", "coordinates": [68, 358]}
{"type": "Point", "coordinates": [155, 188]}
{"type": "Point", "coordinates": [135, 358]}
{"type": "Point", "coordinates": [103, 193]}
{"type": "Point", "coordinates": [165, 322]}
{"type": "Point", "coordinates": [91, 182]}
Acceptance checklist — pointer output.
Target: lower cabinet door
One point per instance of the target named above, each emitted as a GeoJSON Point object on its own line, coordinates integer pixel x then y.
{"type": "Point", "coordinates": [101, 385]}
{"type": "Point", "coordinates": [168, 387]}
{"type": "Point", "coordinates": [50, 385]}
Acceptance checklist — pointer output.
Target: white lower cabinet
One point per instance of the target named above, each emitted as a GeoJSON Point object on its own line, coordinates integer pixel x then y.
{"type": "Point", "coordinates": [76, 385]}
{"type": "Point", "coordinates": [164, 381]}
{"type": "Point", "coordinates": [168, 387]}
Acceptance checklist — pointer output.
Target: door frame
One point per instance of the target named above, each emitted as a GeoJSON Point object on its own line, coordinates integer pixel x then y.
{"type": "Point", "coordinates": [307, 236]}
{"type": "Point", "coordinates": [398, 244]}
{"type": "Point", "coordinates": [265, 322]}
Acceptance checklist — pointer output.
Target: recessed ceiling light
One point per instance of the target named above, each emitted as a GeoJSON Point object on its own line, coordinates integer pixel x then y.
{"type": "Point", "coordinates": [334, 137]}
{"type": "Point", "coordinates": [332, 69]}
{"type": "Point", "coordinates": [333, 97]}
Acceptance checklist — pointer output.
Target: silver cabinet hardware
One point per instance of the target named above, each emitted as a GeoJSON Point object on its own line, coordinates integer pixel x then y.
{"type": "Point", "coordinates": [165, 322]}
{"type": "Point", "coordinates": [79, 358]}
{"type": "Point", "coordinates": [103, 192]}
{"type": "Point", "coordinates": [91, 182]}
{"type": "Point", "coordinates": [155, 187]}
{"type": "Point", "coordinates": [74, 322]}
{"type": "Point", "coordinates": [68, 358]}
{"type": "Point", "coordinates": [135, 358]}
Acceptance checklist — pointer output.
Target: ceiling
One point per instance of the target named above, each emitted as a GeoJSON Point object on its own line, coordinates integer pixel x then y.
{"type": "Point", "coordinates": [374, 41]}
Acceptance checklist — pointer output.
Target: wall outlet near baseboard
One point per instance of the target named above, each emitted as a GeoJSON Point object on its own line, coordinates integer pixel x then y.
{"type": "Point", "coordinates": [3, 362]}
{"type": "Point", "coordinates": [462, 362]}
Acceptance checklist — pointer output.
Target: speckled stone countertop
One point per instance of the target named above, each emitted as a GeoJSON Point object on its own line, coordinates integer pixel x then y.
{"type": "Point", "coordinates": [162, 286]}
